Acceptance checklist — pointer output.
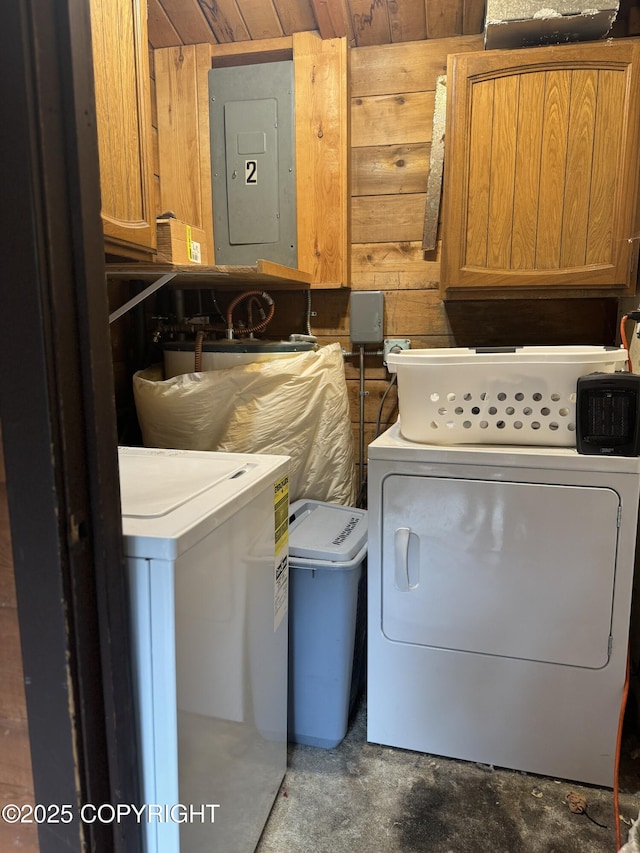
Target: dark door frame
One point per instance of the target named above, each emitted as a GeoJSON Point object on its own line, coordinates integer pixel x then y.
{"type": "Point", "coordinates": [58, 427]}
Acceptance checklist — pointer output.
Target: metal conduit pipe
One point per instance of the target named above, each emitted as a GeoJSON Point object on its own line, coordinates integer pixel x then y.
{"type": "Point", "coordinates": [346, 354]}
{"type": "Point", "coordinates": [363, 394]}
{"type": "Point", "coordinates": [308, 315]}
{"type": "Point", "coordinates": [361, 353]}
{"type": "Point", "coordinates": [197, 366]}
{"type": "Point", "coordinates": [257, 327]}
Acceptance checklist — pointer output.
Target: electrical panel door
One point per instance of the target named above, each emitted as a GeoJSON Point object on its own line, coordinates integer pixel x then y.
{"type": "Point", "coordinates": [252, 159]}
{"type": "Point", "coordinates": [252, 171]}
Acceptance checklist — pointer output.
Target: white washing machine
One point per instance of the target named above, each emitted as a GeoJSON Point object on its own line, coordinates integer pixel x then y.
{"type": "Point", "coordinates": [205, 538]}
{"type": "Point", "coordinates": [500, 583]}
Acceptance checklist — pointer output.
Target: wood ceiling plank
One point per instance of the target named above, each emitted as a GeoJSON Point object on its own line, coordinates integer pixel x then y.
{"type": "Point", "coordinates": [370, 22]}
{"type": "Point", "coordinates": [161, 31]}
{"type": "Point", "coordinates": [333, 19]}
{"type": "Point", "coordinates": [407, 19]}
{"type": "Point", "coordinates": [296, 16]}
{"type": "Point", "coordinates": [260, 18]}
{"type": "Point", "coordinates": [188, 21]}
{"type": "Point", "coordinates": [444, 18]}
{"type": "Point", "coordinates": [225, 20]}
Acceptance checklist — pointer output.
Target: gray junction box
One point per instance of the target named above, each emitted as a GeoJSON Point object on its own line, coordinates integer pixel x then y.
{"type": "Point", "coordinates": [253, 163]}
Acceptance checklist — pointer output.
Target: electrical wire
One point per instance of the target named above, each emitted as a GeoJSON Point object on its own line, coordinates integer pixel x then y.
{"type": "Point", "coordinates": [616, 771]}
{"type": "Point", "coordinates": [623, 338]}
{"type": "Point", "coordinates": [625, 689]}
{"type": "Point", "coordinates": [216, 307]}
{"type": "Point", "coordinates": [392, 382]}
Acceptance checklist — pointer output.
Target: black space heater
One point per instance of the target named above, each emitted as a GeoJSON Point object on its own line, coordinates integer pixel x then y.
{"type": "Point", "coordinates": [608, 414]}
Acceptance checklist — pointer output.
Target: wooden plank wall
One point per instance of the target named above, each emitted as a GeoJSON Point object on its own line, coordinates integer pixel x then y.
{"type": "Point", "coordinates": [16, 783]}
{"type": "Point", "coordinates": [392, 89]}
{"type": "Point", "coordinates": [392, 92]}
{"type": "Point", "coordinates": [392, 100]}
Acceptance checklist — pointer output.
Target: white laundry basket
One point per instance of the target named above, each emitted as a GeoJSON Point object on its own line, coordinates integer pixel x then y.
{"type": "Point", "coordinates": [514, 395]}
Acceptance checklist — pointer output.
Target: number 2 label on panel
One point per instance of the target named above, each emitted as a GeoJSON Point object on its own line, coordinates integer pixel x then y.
{"type": "Point", "coordinates": [251, 171]}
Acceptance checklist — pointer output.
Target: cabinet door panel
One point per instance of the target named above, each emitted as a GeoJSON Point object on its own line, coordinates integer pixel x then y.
{"type": "Point", "coordinates": [575, 215]}
{"type": "Point", "coordinates": [121, 76]}
{"type": "Point", "coordinates": [478, 192]}
{"type": "Point", "coordinates": [502, 173]}
{"type": "Point", "coordinates": [552, 169]}
{"type": "Point", "coordinates": [541, 174]}
{"type": "Point", "coordinates": [606, 165]}
{"type": "Point", "coordinates": [527, 171]}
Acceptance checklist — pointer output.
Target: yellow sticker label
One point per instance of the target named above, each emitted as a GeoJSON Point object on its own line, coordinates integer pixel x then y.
{"type": "Point", "coordinates": [281, 555]}
{"type": "Point", "coordinates": [281, 513]}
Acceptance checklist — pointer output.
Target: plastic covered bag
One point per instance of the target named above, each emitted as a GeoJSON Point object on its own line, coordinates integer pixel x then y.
{"type": "Point", "coordinates": [633, 843]}
{"type": "Point", "coordinates": [296, 406]}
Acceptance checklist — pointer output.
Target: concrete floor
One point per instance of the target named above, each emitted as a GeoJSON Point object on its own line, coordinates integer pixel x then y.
{"type": "Point", "coordinates": [364, 797]}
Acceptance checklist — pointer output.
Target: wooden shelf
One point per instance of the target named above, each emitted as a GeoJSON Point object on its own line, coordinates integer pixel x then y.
{"type": "Point", "coordinates": [265, 274]}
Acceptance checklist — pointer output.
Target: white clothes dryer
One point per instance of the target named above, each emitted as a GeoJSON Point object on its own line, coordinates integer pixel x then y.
{"type": "Point", "coordinates": [500, 582]}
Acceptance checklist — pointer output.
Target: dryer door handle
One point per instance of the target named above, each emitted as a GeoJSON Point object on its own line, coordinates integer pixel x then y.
{"type": "Point", "coordinates": [403, 551]}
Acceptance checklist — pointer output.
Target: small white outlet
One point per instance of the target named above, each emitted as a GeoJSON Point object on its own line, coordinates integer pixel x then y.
{"type": "Point", "coordinates": [393, 345]}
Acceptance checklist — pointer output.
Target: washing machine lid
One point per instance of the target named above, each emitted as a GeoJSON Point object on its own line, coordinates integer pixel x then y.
{"type": "Point", "coordinates": [173, 498]}
{"type": "Point", "coordinates": [151, 490]}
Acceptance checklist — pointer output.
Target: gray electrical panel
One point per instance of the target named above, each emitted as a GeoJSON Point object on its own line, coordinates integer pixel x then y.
{"type": "Point", "coordinates": [253, 163]}
{"type": "Point", "coordinates": [366, 315]}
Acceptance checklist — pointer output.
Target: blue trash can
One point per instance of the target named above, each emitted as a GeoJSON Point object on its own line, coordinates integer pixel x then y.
{"type": "Point", "coordinates": [327, 553]}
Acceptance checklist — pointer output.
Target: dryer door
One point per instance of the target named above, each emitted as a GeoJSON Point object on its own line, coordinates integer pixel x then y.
{"type": "Point", "coordinates": [512, 569]}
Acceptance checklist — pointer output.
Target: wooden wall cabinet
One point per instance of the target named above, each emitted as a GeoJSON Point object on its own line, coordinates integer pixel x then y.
{"type": "Point", "coordinates": [121, 76]}
{"type": "Point", "coordinates": [541, 170]}
{"type": "Point", "coordinates": [321, 141]}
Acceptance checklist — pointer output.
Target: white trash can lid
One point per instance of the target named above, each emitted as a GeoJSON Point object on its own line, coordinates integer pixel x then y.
{"type": "Point", "coordinates": [325, 531]}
